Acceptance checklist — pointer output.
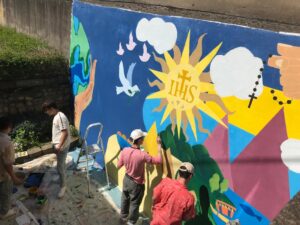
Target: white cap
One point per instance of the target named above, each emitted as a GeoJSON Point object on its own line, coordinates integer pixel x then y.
{"type": "Point", "coordinates": [188, 167]}
{"type": "Point", "coordinates": [137, 133]}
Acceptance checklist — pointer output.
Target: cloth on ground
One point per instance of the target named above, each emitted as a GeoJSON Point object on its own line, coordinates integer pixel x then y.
{"type": "Point", "coordinates": [34, 180]}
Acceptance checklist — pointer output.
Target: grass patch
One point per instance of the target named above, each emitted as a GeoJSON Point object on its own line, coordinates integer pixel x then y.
{"type": "Point", "coordinates": [17, 46]}
{"type": "Point", "coordinates": [22, 57]}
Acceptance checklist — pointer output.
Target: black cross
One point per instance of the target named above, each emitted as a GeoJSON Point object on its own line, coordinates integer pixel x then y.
{"type": "Point", "coordinates": [251, 99]}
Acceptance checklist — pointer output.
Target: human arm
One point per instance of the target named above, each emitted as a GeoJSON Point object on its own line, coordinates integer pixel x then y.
{"type": "Point", "coordinates": [157, 192]}
{"type": "Point", "coordinates": [9, 158]}
{"type": "Point", "coordinates": [189, 211]}
{"type": "Point", "coordinates": [121, 161]}
{"type": "Point", "coordinates": [9, 169]}
{"type": "Point", "coordinates": [155, 159]}
{"type": "Point", "coordinates": [63, 138]}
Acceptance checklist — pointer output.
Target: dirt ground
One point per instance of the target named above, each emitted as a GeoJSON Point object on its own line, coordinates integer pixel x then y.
{"type": "Point", "coordinates": [74, 209]}
{"type": "Point", "coordinates": [77, 209]}
{"type": "Point", "coordinates": [289, 215]}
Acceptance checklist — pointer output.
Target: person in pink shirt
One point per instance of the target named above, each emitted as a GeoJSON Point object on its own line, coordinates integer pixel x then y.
{"type": "Point", "coordinates": [134, 159]}
{"type": "Point", "coordinates": [172, 202]}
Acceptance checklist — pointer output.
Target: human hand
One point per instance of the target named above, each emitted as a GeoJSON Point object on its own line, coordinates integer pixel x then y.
{"type": "Point", "coordinates": [58, 148]}
{"type": "Point", "coordinates": [158, 139]}
{"type": "Point", "coordinates": [159, 143]}
{"type": "Point", "coordinates": [83, 99]}
{"type": "Point", "coordinates": [288, 63]}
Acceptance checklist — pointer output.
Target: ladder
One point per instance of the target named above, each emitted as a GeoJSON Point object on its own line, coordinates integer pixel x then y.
{"type": "Point", "coordinates": [86, 161]}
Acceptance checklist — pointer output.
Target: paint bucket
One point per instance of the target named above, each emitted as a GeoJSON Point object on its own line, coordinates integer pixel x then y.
{"type": "Point", "coordinates": [32, 191]}
{"type": "Point", "coordinates": [41, 200]}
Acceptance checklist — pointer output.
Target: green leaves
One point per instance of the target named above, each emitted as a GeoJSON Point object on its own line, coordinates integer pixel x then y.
{"type": "Point", "coordinates": [216, 185]}
{"type": "Point", "coordinates": [74, 132]}
{"type": "Point", "coordinates": [14, 46]}
{"type": "Point", "coordinates": [214, 182]}
{"type": "Point", "coordinates": [22, 56]}
{"type": "Point", "coordinates": [26, 135]}
{"type": "Point", "coordinates": [224, 186]}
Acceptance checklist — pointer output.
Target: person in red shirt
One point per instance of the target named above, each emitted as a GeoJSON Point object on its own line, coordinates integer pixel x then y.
{"type": "Point", "coordinates": [172, 202]}
{"type": "Point", "coordinates": [134, 159]}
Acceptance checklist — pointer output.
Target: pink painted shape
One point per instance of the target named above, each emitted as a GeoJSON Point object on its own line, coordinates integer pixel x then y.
{"type": "Point", "coordinates": [217, 145]}
{"type": "Point", "coordinates": [260, 167]}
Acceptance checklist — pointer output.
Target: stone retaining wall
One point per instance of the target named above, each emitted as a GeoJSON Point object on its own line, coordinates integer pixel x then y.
{"type": "Point", "coordinates": [26, 96]}
{"type": "Point", "coordinates": [35, 152]}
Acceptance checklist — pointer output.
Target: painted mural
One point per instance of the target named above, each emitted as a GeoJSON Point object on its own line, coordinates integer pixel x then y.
{"type": "Point", "coordinates": [224, 97]}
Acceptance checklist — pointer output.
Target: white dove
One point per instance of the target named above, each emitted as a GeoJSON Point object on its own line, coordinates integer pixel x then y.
{"type": "Point", "coordinates": [120, 51]}
{"type": "Point", "coordinates": [146, 56]}
{"type": "Point", "coordinates": [126, 82]}
{"type": "Point", "coordinates": [131, 45]}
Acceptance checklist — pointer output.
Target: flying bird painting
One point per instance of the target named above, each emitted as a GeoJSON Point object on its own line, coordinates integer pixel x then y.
{"type": "Point", "coordinates": [127, 87]}
{"type": "Point", "coordinates": [131, 44]}
{"type": "Point", "coordinates": [146, 56]}
{"type": "Point", "coordinates": [120, 51]}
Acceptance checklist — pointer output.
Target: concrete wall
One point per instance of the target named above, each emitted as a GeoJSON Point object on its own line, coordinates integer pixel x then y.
{"type": "Point", "coordinates": [46, 19]}
{"type": "Point", "coordinates": [286, 11]}
{"type": "Point", "coordinates": [50, 19]}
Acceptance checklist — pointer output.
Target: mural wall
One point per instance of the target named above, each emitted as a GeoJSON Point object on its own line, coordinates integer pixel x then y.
{"type": "Point", "coordinates": [225, 98]}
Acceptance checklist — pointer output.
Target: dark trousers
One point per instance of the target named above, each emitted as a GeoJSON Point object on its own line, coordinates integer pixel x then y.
{"type": "Point", "coordinates": [132, 197]}
{"type": "Point", "coordinates": [5, 196]}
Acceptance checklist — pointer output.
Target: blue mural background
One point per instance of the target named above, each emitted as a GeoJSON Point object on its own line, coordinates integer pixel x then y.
{"type": "Point", "coordinates": [119, 112]}
{"type": "Point", "coordinates": [105, 29]}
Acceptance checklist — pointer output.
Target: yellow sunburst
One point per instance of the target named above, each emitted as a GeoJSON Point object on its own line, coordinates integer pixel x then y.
{"type": "Point", "coordinates": [181, 86]}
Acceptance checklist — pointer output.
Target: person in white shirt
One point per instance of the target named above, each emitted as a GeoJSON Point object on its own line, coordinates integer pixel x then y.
{"type": "Point", "coordinates": [60, 141]}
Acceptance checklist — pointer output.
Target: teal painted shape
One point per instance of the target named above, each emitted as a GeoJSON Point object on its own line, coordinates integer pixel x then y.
{"type": "Point", "coordinates": [294, 181]}
{"type": "Point", "coordinates": [238, 141]}
{"type": "Point", "coordinates": [76, 24]}
{"type": "Point", "coordinates": [122, 142]}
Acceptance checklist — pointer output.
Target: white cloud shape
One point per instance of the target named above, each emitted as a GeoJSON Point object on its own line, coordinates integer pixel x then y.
{"type": "Point", "coordinates": [290, 154]}
{"type": "Point", "coordinates": [158, 33]}
{"type": "Point", "coordinates": [235, 73]}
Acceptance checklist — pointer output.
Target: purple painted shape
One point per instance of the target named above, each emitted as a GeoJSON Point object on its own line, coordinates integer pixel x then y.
{"type": "Point", "coordinates": [217, 145]}
{"type": "Point", "coordinates": [258, 174]}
